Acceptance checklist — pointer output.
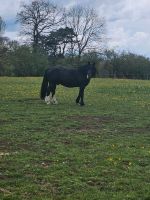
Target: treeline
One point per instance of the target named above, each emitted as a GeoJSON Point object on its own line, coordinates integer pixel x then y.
{"type": "Point", "coordinates": [22, 60]}
{"type": "Point", "coordinates": [56, 36]}
{"type": "Point", "coordinates": [124, 65]}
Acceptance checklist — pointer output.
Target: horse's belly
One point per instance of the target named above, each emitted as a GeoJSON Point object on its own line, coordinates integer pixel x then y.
{"type": "Point", "coordinates": [70, 85]}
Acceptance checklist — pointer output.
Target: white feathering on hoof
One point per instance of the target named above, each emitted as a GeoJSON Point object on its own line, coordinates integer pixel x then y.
{"type": "Point", "coordinates": [51, 100]}
{"type": "Point", "coordinates": [48, 99]}
{"type": "Point", "coordinates": [54, 100]}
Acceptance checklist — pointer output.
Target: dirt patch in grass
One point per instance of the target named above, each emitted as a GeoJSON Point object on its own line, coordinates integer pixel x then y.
{"type": "Point", "coordinates": [26, 146]}
{"type": "Point", "coordinates": [37, 129]}
{"type": "Point", "coordinates": [138, 129]}
{"type": "Point", "coordinates": [47, 163]}
{"type": "Point", "coordinates": [87, 118]}
{"type": "Point", "coordinates": [3, 121]}
{"type": "Point", "coordinates": [88, 123]}
{"type": "Point", "coordinates": [28, 99]}
{"type": "Point", "coordinates": [101, 184]}
{"type": "Point", "coordinates": [6, 121]}
{"type": "Point", "coordinates": [9, 146]}
{"type": "Point", "coordinates": [12, 120]}
{"type": "Point", "coordinates": [5, 145]}
{"type": "Point", "coordinates": [66, 141]}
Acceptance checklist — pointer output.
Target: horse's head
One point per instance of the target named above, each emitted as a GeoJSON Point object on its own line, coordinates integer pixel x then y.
{"type": "Point", "coordinates": [91, 72]}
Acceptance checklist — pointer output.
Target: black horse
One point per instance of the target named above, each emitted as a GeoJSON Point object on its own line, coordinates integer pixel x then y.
{"type": "Point", "coordinates": [77, 77]}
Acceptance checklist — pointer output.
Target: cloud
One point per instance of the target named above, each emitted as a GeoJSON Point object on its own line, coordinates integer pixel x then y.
{"type": "Point", "coordinates": [8, 11]}
{"type": "Point", "coordinates": [128, 26]}
{"type": "Point", "coordinates": [12, 34]}
{"type": "Point", "coordinates": [9, 8]}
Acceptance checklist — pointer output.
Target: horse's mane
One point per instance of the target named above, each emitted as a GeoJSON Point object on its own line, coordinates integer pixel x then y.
{"type": "Point", "coordinates": [83, 68]}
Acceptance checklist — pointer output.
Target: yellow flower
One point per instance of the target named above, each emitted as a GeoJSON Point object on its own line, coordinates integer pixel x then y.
{"type": "Point", "coordinates": [110, 159]}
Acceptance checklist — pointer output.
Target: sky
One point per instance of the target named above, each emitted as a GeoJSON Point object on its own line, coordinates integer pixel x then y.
{"type": "Point", "coordinates": [127, 21]}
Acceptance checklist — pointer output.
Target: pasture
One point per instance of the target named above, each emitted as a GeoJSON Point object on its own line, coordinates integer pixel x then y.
{"type": "Point", "coordinates": [99, 151]}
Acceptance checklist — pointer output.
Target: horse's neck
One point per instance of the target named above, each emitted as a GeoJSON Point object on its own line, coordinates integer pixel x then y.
{"type": "Point", "coordinates": [83, 70]}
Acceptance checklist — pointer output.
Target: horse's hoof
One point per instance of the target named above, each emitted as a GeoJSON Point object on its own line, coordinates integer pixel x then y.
{"type": "Point", "coordinates": [82, 104]}
{"type": "Point", "coordinates": [55, 103]}
{"type": "Point", "coordinates": [77, 102]}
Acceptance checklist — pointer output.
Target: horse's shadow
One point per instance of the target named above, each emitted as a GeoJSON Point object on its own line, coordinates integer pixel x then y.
{"type": "Point", "coordinates": [29, 100]}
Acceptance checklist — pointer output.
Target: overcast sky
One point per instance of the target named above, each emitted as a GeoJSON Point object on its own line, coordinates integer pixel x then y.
{"type": "Point", "coordinates": [127, 21]}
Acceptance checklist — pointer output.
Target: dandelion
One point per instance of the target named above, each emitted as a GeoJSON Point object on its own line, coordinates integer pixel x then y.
{"type": "Point", "coordinates": [110, 159]}
{"type": "Point", "coordinates": [115, 163]}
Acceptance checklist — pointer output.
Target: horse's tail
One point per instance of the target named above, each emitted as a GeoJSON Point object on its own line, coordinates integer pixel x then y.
{"type": "Point", "coordinates": [44, 87]}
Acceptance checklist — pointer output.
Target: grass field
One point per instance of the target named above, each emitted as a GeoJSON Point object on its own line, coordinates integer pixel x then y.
{"type": "Point", "coordinates": [99, 151]}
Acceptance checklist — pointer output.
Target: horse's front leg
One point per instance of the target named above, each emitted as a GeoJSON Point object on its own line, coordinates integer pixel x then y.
{"type": "Point", "coordinates": [78, 98]}
{"type": "Point", "coordinates": [81, 96]}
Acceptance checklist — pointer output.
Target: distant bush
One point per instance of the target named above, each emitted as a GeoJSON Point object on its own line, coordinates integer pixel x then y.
{"type": "Point", "coordinates": [22, 60]}
{"type": "Point", "coordinates": [28, 63]}
{"type": "Point", "coordinates": [127, 65]}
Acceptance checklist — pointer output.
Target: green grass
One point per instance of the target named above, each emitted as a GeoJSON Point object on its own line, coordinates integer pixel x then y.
{"type": "Point", "coordinates": [99, 151]}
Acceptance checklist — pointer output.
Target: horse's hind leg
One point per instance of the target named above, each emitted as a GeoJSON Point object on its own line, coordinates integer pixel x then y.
{"type": "Point", "coordinates": [48, 97]}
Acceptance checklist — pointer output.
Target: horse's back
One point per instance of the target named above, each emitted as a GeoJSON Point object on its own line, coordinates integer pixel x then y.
{"type": "Point", "coordinates": [66, 77]}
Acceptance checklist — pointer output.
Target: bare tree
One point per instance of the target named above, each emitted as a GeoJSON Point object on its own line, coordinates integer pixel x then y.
{"type": "Point", "coordinates": [2, 26]}
{"type": "Point", "coordinates": [88, 28]}
{"type": "Point", "coordinates": [3, 40]}
{"type": "Point", "coordinates": [39, 18]}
